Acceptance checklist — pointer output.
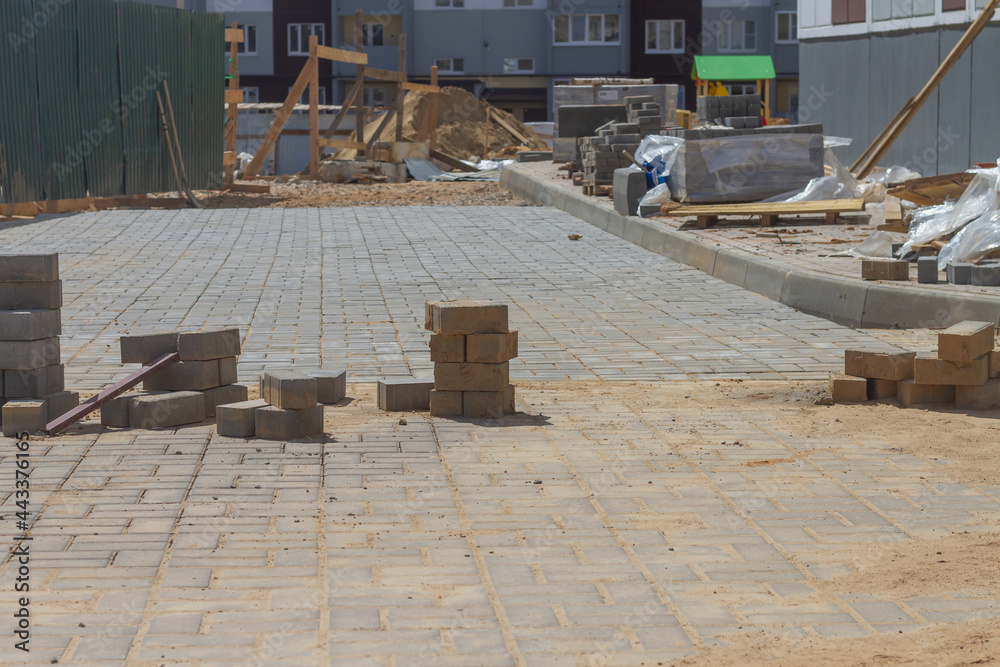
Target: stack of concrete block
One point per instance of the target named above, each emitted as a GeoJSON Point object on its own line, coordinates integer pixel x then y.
{"type": "Point", "coordinates": [601, 155]}
{"type": "Point", "coordinates": [185, 392]}
{"type": "Point", "coordinates": [471, 347]}
{"type": "Point", "coordinates": [290, 406]}
{"type": "Point", "coordinates": [964, 372]}
{"type": "Point", "coordinates": [31, 375]}
{"type": "Point", "coordinates": [735, 111]}
{"type": "Point", "coordinates": [644, 113]}
{"type": "Point", "coordinates": [984, 274]}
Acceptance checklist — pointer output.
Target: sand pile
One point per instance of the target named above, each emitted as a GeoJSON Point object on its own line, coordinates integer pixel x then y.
{"type": "Point", "coordinates": [461, 128]}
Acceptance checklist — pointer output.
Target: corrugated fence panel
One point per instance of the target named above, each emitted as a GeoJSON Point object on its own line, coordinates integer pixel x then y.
{"type": "Point", "coordinates": [207, 110]}
{"type": "Point", "coordinates": [145, 144]}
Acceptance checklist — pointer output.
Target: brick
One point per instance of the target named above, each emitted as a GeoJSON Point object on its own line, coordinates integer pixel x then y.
{"type": "Point", "coordinates": [147, 348]}
{"type": "Point", "coordinates": [465, 317]}
{"type": "Point", "coordinates": [33, 383]}
{"type": "Point", "coordinates": [879, 365]}
{"type": "Point", "coordinates": [115, 412]}
{"type": "Point", "coordinates": [446, 403]}
{"type": "Point", "coordinates": [331, 386]}
{"type": "Point", "coordinates": [983, 397]}
{"type": "Point", "coordinates": [227, 371]}
{"type": "Point", "coordinates": [965, 341]}
{"type": "Point", "coordinates": [166, 410]}
{"type": "Point", "coordinates": [447, 348]}
{"type": "Point", "coordinates": [208, 344]}
{"type": "Point", "coordinates": [185, 376]}
{"type": "Point", "coordinates": [289, 390]}
{"type": "Point", "coordinates": [471, 377]}
{"type": "Point", "coordinates": [493, 348]}
{"type": "Point", "coordinates": [398, 394]}
{"type": "Point", "coordinates": [885, 269]}
{"type": "Point", "coordinates": [29, 268]}
{"type": "Point", "coordinates": [22, 417]}
{"type": "Point", "coordinates": [59, 403]}
{"type": "Point", "coordinates": [273, 423]}
{"type": "Point", "coordinates": [429, 314]}
{"type": "Point", "coordinates": [993, 362]}
{"type": "Point", "coordinates": [879, 389]}
{"type": "Point", "coordinates": [959, 273]}
{"type": "Point", "coordinates": [238, 420]}
{"type": "Point", "coordinates": [488, 404]}
{"type": "Point", "coordinates": [848, 389]}
{"type": "Point", "coordinates": [29, 324]}
{"type": "Point", "coordinates": [928, 369]}
{"type": "Point", "coordinates": [910, 393]}
{"type": "Point", "coordinates": [29, 354]}
{"type": "Point", "coordinates": [927, 270]}
{"type": "Point", "coordinates": [987, 275]}
{"type": "Point", "coordinates": [228, 393]}
{"type": "Point", "coordinates": [34, 295]}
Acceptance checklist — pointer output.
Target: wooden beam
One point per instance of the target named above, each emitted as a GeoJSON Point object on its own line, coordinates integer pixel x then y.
{"type": "Point", "coordinates": [342, 56]}
{"type": "Point", "coordinates": [881, 136]}
{"type": "Point", "coordinates": [378, 131]}
{"type": "Point", "coordinates": [880, 149]}
{"type": "Point", "coordinates": [232, 112]}
{"type": "Point", "coordinates": [420, 87]}
{"type": "Point", "coordinates": [486, 140]}
{"type": "Point", "coordinates": [773, 208]}
{"type": "Point", "coordinates": [344, 109]}
{"type": "Point", "coordinates": [455, 163]}
{"type": "Point", "coordinates": [400, 91]}
{"type": "Point", "coordinates": [234, 96]}
{"type": "Point", "coordinates": [251, 188]}
{"type": "Point", "coordinates": [359, 76]}
{"type": "Point", "coordinates": [305, 77]}
{"type": "Point", "coordinates": [384, 74]}
{"type": "Point", "coordinates": [234, 35]}
{"type": "Point", "coordinates": [342, 143]}
{"type": "Point", "coordinates": [314, 110]}
{"type": "Point", "coordinates": [507, 126]}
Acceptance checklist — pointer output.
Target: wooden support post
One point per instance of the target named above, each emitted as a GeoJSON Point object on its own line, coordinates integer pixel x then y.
{"type": "Point", "coordinates": [706, 221]}
{"type": "Point", "coordinates": [433, 130]}
{"type": "Point", "coordinates": [378, 131]}
{"type": "Point", "coordinates": [400, 91]}
{"type": "Point", "coordinates": [768, 219]}
{"type": "Point", "coordinates": [232, 110]}
{"type": "Point", "coordinates": [278, 124]}
{"type": "Point", "coordinates": [359, 74]}
{"type": "Point", "coordinates": [767, 101]}
{"type": "Point", "coordinates": [314, 110]}
{"type": "Point", "coordinates": [486, 140]}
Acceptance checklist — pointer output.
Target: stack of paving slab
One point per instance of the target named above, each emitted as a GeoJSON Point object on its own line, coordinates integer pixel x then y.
{"type": "Point", "coordinates": [644, 113]}
{"type": "Point", "coordinates": [185, 392]}
{"type": "Point", "coordinates": [31, 375]}
{"type": "Point", "coordinates": [290, 406]}
{"type": "Point", "coordinates": [735, 111]}
{"type": "Point", "coordinates": [965, 372]}
{"type": "Point", "coordinates": [471, 347]}
{"type": "Point", "coordinates": [601, 155]}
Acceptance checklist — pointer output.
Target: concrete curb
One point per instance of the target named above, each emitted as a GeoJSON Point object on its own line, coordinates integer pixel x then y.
{"type": "Point", "coordinates": [851, 302]}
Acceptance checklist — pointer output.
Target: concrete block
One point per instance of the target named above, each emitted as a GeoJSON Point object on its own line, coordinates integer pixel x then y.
{"type": "Point", "coordinates": [36, 295]}
{"type": "Point", "coordinates": [59, 403]}
{"type": "Point", "coordinates": [471, 377]}
{"type": "Point", "coordinates": [488, 404]}
{"type": "Point", "coordinates": [982, 397]}
{"type": "Point", "coordinates": [28, 354]}
{"type": "Point", "coordinates": [238, 420]}
{"type": "Point", "coordinates": [446, 403]}
{"type": "Point", "coordinates": [847, 389]}
{"type": "Point", "coordinates": [986, 275]}
{"type": "Point", "coordinates": [493, 348]}
{"type": "Point", "coordinates": [465, 317]}
{"type": "Point", "coordinates": [885, 269]}
{"type": "Point", "coordinates": [210, 344]}
{"type": "Point", "coordinates": [879, 389]}
{"type": "Point", "coordinates": [29, 324]}
{"type": "Point", "coordinates": [837, 299]}
{"type": "Point", "coordinates": [766, 278]}
{"type": "Point", "coordinates": [33, 383]}
{"type": "Point", "coordinates": [628, 187]}
{"type": "Point", "coordinates": [185, 376]}
{"type": "Point", "coordinates": [289, 390]}
{"type": "Point", "coordinates": [928, 369]}
{"type": "Point", "coordinates": [230, 393]}
{"type": "Point", "coordinates": [29, 268]}
{"type": "Point", "coordinates": [22, 417]}
{"type": "Point", "coordinates": [273, 423]}
{"type": "Point", "coordinates": [888, 306]}
{"type": "Point", "coordinates": [227, 371]}
{"type": "Point", "coordinates": [331, 386]}
{"type": "Point", "coordinates": [146, 348]}
{"type": "Point", "coordinates": [166, 410]}
{"type": "Point", "coordinates": [927, 270]}
{"type": "Point", "coordinates": [115, 412]}
{"type": "Point", "coordinates": [398, 394]}
{"type": "Point", "coordinates": [731, 267]}
{"type": "Point", "coordinates": [959, 273]}
{"type": "Point", "coordinates": [910, 393]}
{"type": "Point", "coordinates": [966, 341]}
{"type": "Point", "coordinates": [879, 365]}
{"type": "Point", "coordinates": [447, 348]}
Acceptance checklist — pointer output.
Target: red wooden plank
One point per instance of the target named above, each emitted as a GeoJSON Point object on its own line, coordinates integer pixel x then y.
{"type": "Point", "coordinates": [112, 392]}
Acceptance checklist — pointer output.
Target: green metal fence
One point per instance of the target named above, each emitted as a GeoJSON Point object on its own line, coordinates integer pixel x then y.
{"type": "Point", "coordinates": [78, 83]}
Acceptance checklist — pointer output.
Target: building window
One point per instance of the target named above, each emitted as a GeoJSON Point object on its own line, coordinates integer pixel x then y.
{"type": "Point", "coordinates": [518, 3]}
{"type": "Point", "coordinates": [298, 37]}
{"type": "Point", "coordinates": [372, 34]}
{"type": "Point", "coordinates": [249, 45]}
{"type": "Point", "coordinates": [251, 95]}
{"type": "Point", "coordinates": [450, 65]}
{"type": "Point", "coordinates": [586, 29]}
{"type": "Point", "coordinates": [952, 5]}
{"type": "Point", "coordinates": [848, 11]}
{"type": "Point", "coordinates": [447, 4]}
{"type": "Point", "coordinates": [518, 65]}
{"type": "Point", "coordinates": [739, 35]}
{"type": "Point", "coordinates": [787, 31]}
{"type": "Point", "coordinates": [664, 36]}
{"type": "Point", "coordinates": [374, 96]}
{"type": "Point", "coordinates": [305, 96]}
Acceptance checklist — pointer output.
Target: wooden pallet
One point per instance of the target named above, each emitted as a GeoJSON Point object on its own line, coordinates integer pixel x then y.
{"type": "Point", "coordinates": [933, 190]}
{"type": "Point", "coordinates": [708, 216]}
{"type": "Point", "coordinates": [577, 178]}
{"type": "Point", "coordinates": [597, 190]}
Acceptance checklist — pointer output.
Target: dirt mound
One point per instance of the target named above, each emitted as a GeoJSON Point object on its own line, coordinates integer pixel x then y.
{"type": "Point", "coordinates": [461, 129]}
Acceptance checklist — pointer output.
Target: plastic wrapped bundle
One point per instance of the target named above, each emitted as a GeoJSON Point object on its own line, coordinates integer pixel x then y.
{"type": "Point", "coordinates": [745, 168]}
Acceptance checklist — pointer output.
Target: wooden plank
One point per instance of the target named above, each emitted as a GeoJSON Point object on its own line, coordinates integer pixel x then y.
{"type": "Point", "coordinates": [450, 161]}
{"type": "Point", "coordinates": [706, 221]}
{"type": "Point", "coordinates": [314, 110]}
{"type": "Point", "coordinates": [400, 92]}
{"type": "Point", "coordinates": [344, 109]}
{"type": "Point", "coordinates": [359, 76]}
{"type": "Point", "coordinates": [421, 87]}
{"type": "Point", "coordinates": [342, 55]}
{"type": "Point", "coordinates": [229, 158]}
{"type": "Point", "coordinates": [893, 209]}
{"type": "Point", "coordinates": [278, 124]}
{"type": "Point", "coordinates": [433, 116]}
{"type": "Point", "coordinates": [234, 96]}
{"type": "Point", "coordinates": [507, 126]}
{"type": "Point", "coordinates": [112, 392]}
{"type": "Point", "coordinates": [234, 35]}
{"type": "Point", "coordinates": [378, 131]}
{"type": "Point", "coordinates": [776, 208]}
{"type": "Point", "coordinates": [232, 112]}
{"type": "Point", "coordinates": [251, 188]}
{"type": "Point", "coordinates": [342, 143]}
{"type": "Point", "coordinates": [384, 74]}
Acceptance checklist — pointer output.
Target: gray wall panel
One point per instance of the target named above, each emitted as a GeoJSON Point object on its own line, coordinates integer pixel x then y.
{"type": "Point", "coordinates": [955, 138]}
{"type": "Point", "coordinates": [985, 102]}
{"type": "Point", "coordinates": [833, 90]}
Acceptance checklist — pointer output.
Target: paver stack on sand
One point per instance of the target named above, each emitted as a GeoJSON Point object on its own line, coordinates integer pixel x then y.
{"type": "Point", "coordinates": [290, 406]}
{"type": "Point", "coordinates": [185, 392]}
{"type": "Point", "coordinates": [31, 375]}
{"type": "Point", "coordinates": [965, 372]}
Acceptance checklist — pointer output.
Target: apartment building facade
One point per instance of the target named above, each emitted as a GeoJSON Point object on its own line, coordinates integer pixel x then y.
{"type": "Point", "coordinates": [863, 59]}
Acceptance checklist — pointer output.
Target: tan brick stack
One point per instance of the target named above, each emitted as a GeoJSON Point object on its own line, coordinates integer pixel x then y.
{"type": "Point", "coordinates": [964, 372]}
{"type": "Point", "coordinates": [471, 348]}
